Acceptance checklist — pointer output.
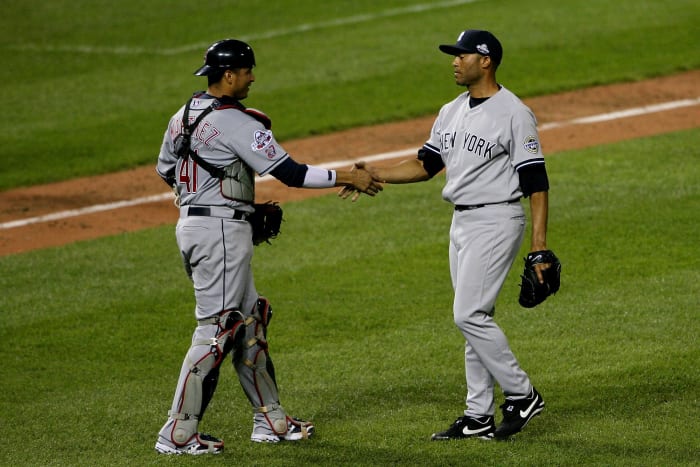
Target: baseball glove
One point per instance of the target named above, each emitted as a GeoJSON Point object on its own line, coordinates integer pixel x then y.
{"type": "Point", "coordinates": [266, 221]}
{"type": "Point", "coordinates": [532, 293]}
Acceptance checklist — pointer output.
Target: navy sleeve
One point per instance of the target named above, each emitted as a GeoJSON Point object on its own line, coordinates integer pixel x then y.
{"type": "Point", "coordinates": [432, 162]}
{"type": "Point", "coordinates": [290, 172]}
{"type": "Point", "coordinates": [533, 178]}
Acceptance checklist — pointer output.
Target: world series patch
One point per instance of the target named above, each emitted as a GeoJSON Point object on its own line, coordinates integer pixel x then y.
{"type": "Point", "coordinates": [261, 139]}
{"type": "Point", "coordinates": [531, 144]}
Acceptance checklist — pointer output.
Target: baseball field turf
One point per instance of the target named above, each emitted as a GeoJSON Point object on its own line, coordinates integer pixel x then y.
{"type": "Point", "coordinates": [92, 334]}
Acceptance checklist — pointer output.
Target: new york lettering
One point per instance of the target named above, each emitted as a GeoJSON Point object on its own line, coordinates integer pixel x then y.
{"type": "Point", "coordinates": [471, 143]}
{"type": "Point", "coordinates": [478, 146]}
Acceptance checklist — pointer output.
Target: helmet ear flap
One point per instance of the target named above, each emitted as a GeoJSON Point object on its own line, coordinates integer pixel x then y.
{"type": "Point", "coordinates": [224, 54]}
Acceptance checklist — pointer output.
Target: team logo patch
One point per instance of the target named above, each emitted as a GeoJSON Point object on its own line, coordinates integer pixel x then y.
{"type": "Point", "coordinates": [271, 152]}
{"type": "Point", "coordinates": [261, 139]}
{"type": "Point", "coordinates": [531, 144]}
{"type": "Point", "coordinates": [483, 49]}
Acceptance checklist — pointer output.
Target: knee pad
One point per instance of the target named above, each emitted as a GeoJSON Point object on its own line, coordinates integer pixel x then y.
{"type": "Point", "coordinates": [256, 371]}
{"type": "Point", "coordinates": [262, 312]}
{"type": "Point", "coordinates": [200, 373]}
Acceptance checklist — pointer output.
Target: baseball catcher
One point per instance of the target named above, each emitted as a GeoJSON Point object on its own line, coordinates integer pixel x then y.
{"type": "Point", "coordinates": [212, 149]}
{"type": "Point", "coordinates": [532, 290]}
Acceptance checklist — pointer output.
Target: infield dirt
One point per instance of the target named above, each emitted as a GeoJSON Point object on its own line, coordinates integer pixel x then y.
{"type": "Point", "coordinates": [351, 144]}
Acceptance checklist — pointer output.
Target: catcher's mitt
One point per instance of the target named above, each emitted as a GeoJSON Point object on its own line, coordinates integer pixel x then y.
{"type": "Point", "coordinates": [266, 221]}
{"type": "Point", "coordinates": [533, 293]}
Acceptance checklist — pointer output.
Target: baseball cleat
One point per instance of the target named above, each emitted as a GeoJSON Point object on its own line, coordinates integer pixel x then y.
{"type": "Point", "coordinates": [199, 444]}
{"type": "Point", "coordinates": [467, 427]}
{"type": "Point", "coordinates": [296, 430]}
{"type": "Point", "coordinates": [517, 413]}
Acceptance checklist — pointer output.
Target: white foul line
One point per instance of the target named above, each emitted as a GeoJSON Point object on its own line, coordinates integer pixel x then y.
{"type": "Point", "coordinates": [302, 28]}
{"type": "Point", "coordinates": [647, 109]}
{"type": "Point", "coordinates": [344, 163]}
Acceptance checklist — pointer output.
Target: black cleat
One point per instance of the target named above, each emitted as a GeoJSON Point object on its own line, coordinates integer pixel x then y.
{"type": "Point", "coordinates": [517, 413]}
{"type": "Point", "coordinates": [467, 427]}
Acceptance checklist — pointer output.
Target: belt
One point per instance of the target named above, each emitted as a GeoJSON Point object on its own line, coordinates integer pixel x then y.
{"type": "Point", "coordinates": [469, 207]}
{"type": "Point", "coordinates": [214, 211]}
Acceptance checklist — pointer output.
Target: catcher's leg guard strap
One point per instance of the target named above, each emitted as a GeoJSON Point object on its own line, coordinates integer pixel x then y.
{"type": "Point", "coordinates": [213, 340]}
{"type": "Point", "coordinates": [256, 371]}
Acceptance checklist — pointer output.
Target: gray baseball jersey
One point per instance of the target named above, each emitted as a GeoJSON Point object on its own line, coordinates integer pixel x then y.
{"type": "Point", "coordinates": [483, 147]}
{"type": "Point", "coordinates": [222, 137]}
{"type": "Point", "coordinates": [225, 135]}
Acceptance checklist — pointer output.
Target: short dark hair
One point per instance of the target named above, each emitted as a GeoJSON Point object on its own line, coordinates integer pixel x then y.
{"type": "Point", "coordinates": [216, 76]}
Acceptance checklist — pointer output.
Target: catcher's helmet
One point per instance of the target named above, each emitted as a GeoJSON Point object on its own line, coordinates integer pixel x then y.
{"type": "Point", "coordinates": [225, 54]}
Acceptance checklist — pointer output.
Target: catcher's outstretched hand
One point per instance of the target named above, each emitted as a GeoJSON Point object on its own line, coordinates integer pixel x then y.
{"type": "Point", "coordinates": [362, 182]}
{"type": "Point", "coordinates": [346, 191]}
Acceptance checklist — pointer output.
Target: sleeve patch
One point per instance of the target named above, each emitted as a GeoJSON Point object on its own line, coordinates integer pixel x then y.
{"type": "Point", "coordinates": [261, 139]}
{"type": "Point", "coordinates": [531, 144]}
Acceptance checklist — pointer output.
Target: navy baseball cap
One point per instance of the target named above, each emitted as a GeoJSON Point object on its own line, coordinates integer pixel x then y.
{"type": "Point", "coordinates": [474, 41]}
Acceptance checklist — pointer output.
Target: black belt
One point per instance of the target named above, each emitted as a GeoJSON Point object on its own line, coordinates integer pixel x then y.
{"type": "Point", "coordinates": [204, 211]}
{"type": "Point", "coordinates": [469, 207]}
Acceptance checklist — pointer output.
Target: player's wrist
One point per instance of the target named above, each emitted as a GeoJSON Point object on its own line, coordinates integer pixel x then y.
{"type": "Point", "coordinates": [317, 177]}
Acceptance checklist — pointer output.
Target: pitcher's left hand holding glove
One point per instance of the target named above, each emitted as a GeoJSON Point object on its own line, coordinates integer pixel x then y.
{"type": "Point", "coordinates": [532, 291]}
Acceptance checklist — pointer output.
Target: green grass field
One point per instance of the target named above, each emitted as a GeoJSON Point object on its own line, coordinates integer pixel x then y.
{"type": "Point", "coordinates": [89, 85]}
{"type": "Point", "coordinates": [93, 333]}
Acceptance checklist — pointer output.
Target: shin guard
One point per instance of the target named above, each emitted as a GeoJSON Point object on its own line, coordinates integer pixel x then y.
{"type": "Point", "coordinates": [256, 371]}
{"type": "Point", "coordinates": [213, 339]}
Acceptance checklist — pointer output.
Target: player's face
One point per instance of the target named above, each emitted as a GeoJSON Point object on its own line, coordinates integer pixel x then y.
{"type": "Point", "coordinates": [242, 79]}
{"type": "Point", "coordinates": [467, 69]}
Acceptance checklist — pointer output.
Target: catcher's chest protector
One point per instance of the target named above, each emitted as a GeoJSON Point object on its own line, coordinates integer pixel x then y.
{"type": "Point", "coordinates": [239, 182]}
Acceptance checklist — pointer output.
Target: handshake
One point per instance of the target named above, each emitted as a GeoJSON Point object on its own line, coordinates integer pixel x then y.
{"type": "Point", "coordinates": [362, 179]}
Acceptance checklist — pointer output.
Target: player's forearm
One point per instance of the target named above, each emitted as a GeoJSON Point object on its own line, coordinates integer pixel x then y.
{"type": "Point", "coordinates": [539, 211]}
{"type": "Point", "coordinates": [409, 171]}
{"type": "Point", "coordinates": [297, 175]}
{"type": "Point", "coordinates": [310, 176]}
